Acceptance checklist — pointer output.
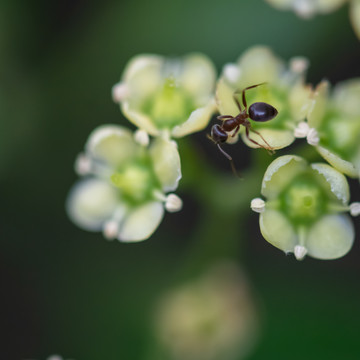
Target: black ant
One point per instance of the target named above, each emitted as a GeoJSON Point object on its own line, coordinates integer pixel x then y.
{"type": "Point", "coordinates": [258, 111]}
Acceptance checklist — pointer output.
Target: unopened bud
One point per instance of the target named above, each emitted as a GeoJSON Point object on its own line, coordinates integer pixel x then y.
{"type": "Point", "coordinates": [313, 137]}
{"type": "Point", "coordinates": [257, 205]}
{"type": "Point", "coordinates": [300, 252]}
{"type": "Point", "coordinates": [173, 203]}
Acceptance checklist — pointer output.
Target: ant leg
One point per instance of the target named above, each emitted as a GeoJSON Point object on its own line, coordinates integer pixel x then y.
{"type": "Point", "coordinates": [236, 100]}
{"type": "Point", "coordinates": [235, 131]}
{"type": "Point", "coordinates": [248, 88]}
{"type": "Point", "coordinates": [243, 93]}
{"type": "Point", "coordinates": [269, 148]}
{"type": "Point", "coordinates": [224, 117]}
{"type": "Point", "coordinates": [210, 138]}
{"type": "Point", "coordinates": [233, 168]}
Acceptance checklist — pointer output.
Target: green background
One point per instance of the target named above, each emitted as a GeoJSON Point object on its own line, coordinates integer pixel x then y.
{"type": "Point", "coordinates": [67, 291]}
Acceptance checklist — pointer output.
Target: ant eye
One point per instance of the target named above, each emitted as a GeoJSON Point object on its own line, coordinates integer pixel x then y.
{"type": "Point", "coordinates": [261, 111]}
{"type": "Point", "coordinates": [218, 134]}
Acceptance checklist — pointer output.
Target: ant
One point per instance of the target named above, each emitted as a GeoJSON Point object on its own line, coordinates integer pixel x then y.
{"type": "Point", "coordinates": [258, 111]}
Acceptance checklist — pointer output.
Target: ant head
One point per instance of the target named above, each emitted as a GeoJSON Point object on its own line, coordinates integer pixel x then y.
{"type": "Point", "coordinates": [218, 135]}
{"type": "Point", "coordinates": [261, 111]}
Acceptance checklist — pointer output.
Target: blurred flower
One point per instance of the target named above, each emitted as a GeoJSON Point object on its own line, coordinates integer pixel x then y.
{"type": "Point", "coordinates": [307, 9]}
{"type": "Point", "coordinates": [334, 125]}
{"type": "Point", "coordinates": [284, 89]}
{"type": "Point", "coordinates": [123, 191]}
{"type": "Point", "coordinates": [169, 95]}
{"type": "Point", "coordinates": [211, 318]}
{"type": "Point", "coordinates": [303, 210]}
{"type": "Point", "coordinates": [55, 357]}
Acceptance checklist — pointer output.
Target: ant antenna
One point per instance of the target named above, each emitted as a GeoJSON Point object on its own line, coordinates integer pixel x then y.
{"type": "Point", "coordinates": [233, 168]}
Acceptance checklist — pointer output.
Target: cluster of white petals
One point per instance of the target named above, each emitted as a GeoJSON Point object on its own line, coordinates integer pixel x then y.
{"type": "Point", "coordinates": [307, 9]}
{"type": "Point", "coordinates": [303, 211]}
{"type": "Point", "coordinates": [122, 180]}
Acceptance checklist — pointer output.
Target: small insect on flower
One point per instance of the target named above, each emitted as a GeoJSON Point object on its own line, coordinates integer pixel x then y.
{"type": "Point", "coordinates": [258, 111]}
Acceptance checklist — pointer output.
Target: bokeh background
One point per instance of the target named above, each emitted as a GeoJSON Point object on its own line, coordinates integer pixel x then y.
{"type": "Point", "coordinates": [67, 291]}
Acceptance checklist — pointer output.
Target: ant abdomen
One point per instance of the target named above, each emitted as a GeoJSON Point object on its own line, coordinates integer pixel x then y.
{"type": "Point", "coordinates": [262, 112]}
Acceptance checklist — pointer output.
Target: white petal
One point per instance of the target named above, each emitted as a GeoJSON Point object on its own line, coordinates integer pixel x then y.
{"type": "Point", "coordinates": [281, 4]}
{"type": "Point", "coordinates": [347, 95]}
{"type": "Point", "coordinates": [331, 237]}
{"type": "Point", "coordinates": [337, 182]}
{"type": "Point", "coordinates": [277, 139]}
{"type": "Point", "coordinates": [258, 65]}
{"type": "Point", "coordinates": [197, 121]}
{"type": "Point", "coordinates": [112, 144]}
{"type": "Point", "coordinates": [327, 6]}
{"type": "Point", "coordinates": [91, 202]}
{"type": "Point", "coordinates": [277, 230]}
{"type": "Point", "coordinates": [338, 163]}
{"type": "Point", "coordinates": [280, 172]}
{"type": "Point", "coordinates": [355, 16]}
{"type": "Point", "coordinates": [224, 98]}
{"type": "Point", "coordinates": [139, 119]}
{"type": "Point", "coordinates": [143, 75]}
{"type": "Point", "coordinates": [300, 100]}
{"type": "Point", "coordinates": [319, 103]}
{"type": "Point", "coordinates": [141, 222]}
{"type": "Point", "coordinates": [198, 75]}
{"type": "Point", "coordinates": [166, 163]}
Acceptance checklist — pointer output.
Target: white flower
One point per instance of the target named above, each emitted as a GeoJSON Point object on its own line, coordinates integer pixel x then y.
{"type": "Point", "coordinates": [334, 121]}
{"type": "Point", "coordinates": [307, 8]}
{"type": "Point", "coordinates": [304, 209]}
{"type": "Point", "coordinates": [282, 87]}
{"type": "Point", "coordinates": [172, 95]}
{"type": "Point", "coordinates": [120, 195]}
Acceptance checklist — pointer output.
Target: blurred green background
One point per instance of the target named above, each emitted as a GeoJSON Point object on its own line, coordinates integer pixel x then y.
{"type": "Point", "coordinates": [67, 291]}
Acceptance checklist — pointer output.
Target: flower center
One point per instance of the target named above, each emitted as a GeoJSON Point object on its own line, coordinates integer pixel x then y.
{"type": "Point", "coordinates": [303, 201]}
{"type": "Point", "coordinates": [170, 106]}
{"type": "Point", "coordinates": [136, 182]}
{"type": "Point", "coordinates": [276, 97]}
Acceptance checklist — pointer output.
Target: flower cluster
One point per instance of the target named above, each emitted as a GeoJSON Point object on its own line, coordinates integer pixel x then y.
{"type": "Point", "coordinates": [128, 179]}
{"type": "Point", "coordinates": [333, 125]}
{"type": "Point", "coordinates": [306, 9]}
{"type": "Point", "coordinates": [305, 203]}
